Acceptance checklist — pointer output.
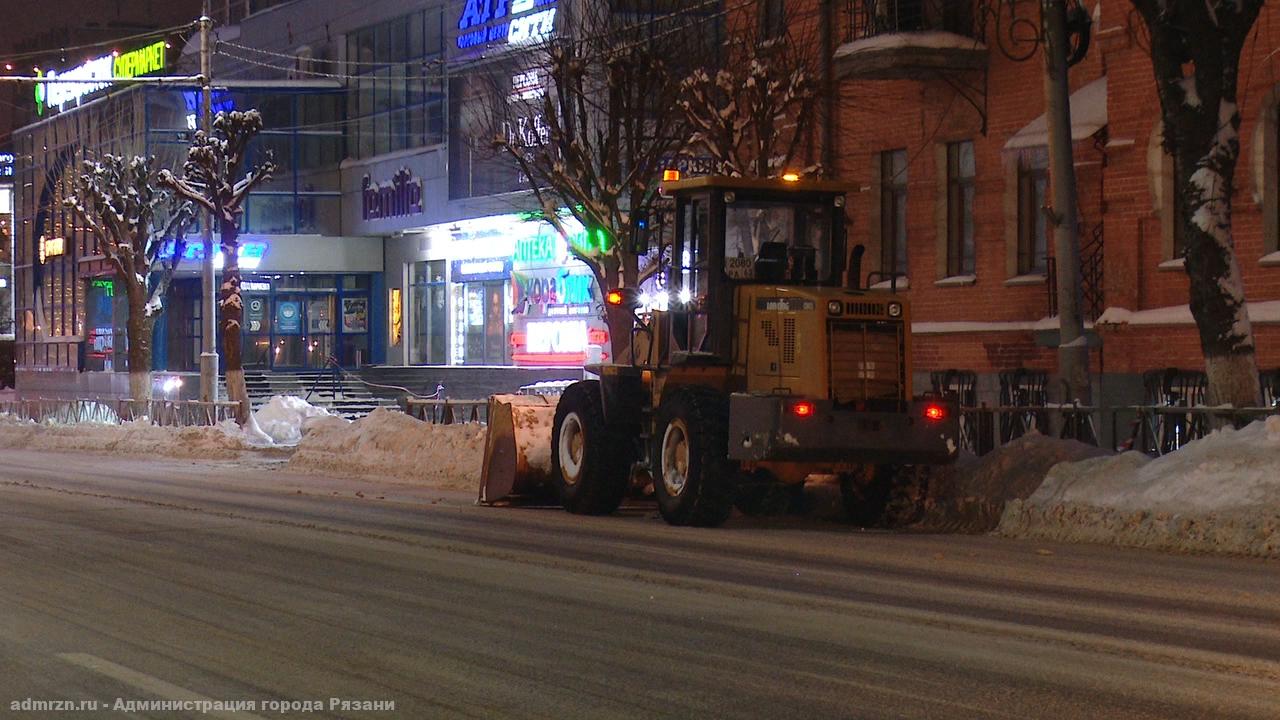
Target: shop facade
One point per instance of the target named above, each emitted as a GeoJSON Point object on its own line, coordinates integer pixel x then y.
{"type": "Point", "coordinates": [485, 287]}
{"type": "Point", "coordinates": [311, 291]}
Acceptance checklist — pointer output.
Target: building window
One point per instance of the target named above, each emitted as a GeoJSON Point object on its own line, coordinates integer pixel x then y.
{"type": "Point", "coordinates": [1033, 228]}
{"type": "Point", "coordinates": [773, 22]}
{"type": "Point", "coordinates": [397, 96]}
{"type": "Point", "coordinates": [960, 199]}
{"type": "Point", "coordinates": [1178, 231]}
{"type": "Point", "coordinates": [893, 211]}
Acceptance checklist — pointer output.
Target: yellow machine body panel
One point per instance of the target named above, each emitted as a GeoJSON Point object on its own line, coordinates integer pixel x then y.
{"type": "Point", "coordinates": [822, 343]}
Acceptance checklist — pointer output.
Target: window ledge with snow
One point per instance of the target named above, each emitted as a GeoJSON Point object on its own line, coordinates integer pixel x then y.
{"type": "Point", "coordinates": [903, 284]}
{"type": "Point", "coordinates": [1272, 260]}
{"type": "Point", "coordinates": [1020, 280]}
{"type": "Point", "coordinates": [956, 281]}
{"type": "Point", "coordinates": [1174, 264]}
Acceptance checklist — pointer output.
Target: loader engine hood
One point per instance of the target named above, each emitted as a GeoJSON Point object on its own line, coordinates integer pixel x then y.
{"type": "Point", "coordinates": [849, 347]}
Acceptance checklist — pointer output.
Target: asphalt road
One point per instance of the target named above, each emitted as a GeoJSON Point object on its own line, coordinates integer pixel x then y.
{"type": "Point", "coordinates": [235, 581]}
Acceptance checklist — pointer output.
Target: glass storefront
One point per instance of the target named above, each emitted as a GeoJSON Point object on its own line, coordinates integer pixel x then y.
{"type": "Point", "coordinates": [482, 322]}
{"type": "Point", "coordinates": [105, 320]}
{"type": "Point", "coordinates": [430, 344]}
{"type": "Point", "coordinates": [294, 322]}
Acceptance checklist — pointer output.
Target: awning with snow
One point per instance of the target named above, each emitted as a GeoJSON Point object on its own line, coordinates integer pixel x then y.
{"type": "Point", "coordinates": [1088, 116]}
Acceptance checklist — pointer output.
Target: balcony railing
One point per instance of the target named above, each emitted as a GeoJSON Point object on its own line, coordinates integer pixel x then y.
{"type": "Point", "coordinates": [872, 18]}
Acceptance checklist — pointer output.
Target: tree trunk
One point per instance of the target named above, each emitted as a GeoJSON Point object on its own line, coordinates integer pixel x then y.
{"type": "Point", "coordinates": [138, 329]}
{"type": "Point", "coordinates": [1207, 163]}
{"type": "Point", "coordinates": [231, 312]}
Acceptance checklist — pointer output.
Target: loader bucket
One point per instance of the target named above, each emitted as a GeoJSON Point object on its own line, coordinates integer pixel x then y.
{"type": "Point", "coordinates": [517, 448]}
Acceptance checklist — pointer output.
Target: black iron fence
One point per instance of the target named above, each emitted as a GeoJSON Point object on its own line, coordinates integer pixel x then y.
{"type": "Point", "coordinates": [165, 413]}
{"type": "Point", "coordinates": [1172, 414]}
{"type": "Point", "coordinates": [446, 412]}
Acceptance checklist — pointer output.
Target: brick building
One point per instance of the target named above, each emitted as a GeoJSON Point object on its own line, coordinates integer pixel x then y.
{"type": "Point", "coordinates": [942, 134]}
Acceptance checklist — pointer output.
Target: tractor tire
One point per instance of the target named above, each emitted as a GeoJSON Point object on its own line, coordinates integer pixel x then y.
{"type": "Point", "coordinates": [885, 496]}
{"type": "Point", "coordinates": [590, 463]}
{"type": "Point", "coordinates": [760, 494]}
{"type": "Point", "coordinates": [694, 481]}
{"type": "Point", "coordinates": [866, 494]}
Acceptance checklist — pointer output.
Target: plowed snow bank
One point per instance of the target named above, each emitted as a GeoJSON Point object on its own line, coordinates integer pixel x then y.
{"type": "Point", "coordinates": [388, 445]}
{"type": "Point", "coordinates": [971, 495]}
{"type": "Point", "coordinates": [1217, 494]}
{"type": "Point", "coordinates": [132, 438]}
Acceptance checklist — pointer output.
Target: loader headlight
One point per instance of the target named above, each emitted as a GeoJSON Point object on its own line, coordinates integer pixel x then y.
{"type": "Point", "coordinates": [835, 307]}
{"type": "Point", "coordinates": [895, 310]}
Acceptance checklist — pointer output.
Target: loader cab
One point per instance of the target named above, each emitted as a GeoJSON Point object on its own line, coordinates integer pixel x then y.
{"type": "Point", "coordinates": [732, 232]}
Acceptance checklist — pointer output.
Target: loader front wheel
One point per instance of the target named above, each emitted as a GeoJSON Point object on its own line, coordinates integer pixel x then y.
{"type": "Point", "coordinates": [694, 480]}
{"type": "Point", "coordinates": [590, 462]}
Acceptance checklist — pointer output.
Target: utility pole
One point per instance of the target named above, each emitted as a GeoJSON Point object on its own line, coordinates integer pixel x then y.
{"type": "Point", "coordinates": [208, 302]}
{"type": "Point", "coordinates": [1073, 350]}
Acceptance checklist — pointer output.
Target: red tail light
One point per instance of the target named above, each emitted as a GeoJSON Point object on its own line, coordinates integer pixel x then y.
{"type": "Point", "coordinates": [803, 409]}
{"type": "Point", "coordinates": [935, 412]}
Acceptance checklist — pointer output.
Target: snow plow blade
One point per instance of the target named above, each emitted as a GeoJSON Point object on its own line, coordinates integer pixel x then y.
{"type": "Point", "coordinates": [517, 448]}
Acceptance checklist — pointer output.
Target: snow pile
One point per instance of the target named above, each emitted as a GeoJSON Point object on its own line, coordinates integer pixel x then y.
{"type": "Point", "coordinates": [1217, 494]}
{"type": "Point", "coordinates": [971, 495]}
{"type": "Point", "coordinates": [284, 418]}
{"type": "Point", "coordinates": [221, 442]}
{"type": "Point", "coordinates": [388, 445]}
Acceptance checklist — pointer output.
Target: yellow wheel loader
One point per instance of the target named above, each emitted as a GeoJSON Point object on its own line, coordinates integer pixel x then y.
{"type": "Point", "coordinates": [765, 368]}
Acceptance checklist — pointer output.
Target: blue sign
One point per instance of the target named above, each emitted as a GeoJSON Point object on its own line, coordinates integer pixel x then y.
{"type": "Point", "coordinates": [288, 318]}
{"type": "Point", "coordinates": [6, 164]}
{"type": "Point", "coordinates": [483, 269]}
{"type": "Point", "coordinates": [222, 101]}
{"type": "Point", "coordinates": [507, 22]}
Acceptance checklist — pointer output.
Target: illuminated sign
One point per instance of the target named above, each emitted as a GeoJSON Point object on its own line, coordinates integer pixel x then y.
{"type": "Point", "coordinates": [222, 101]}
{"type": "Point", "coordinates": [556, 336]}
{"type": "Point", "coordinates": [52, 247]}
{"type": "Point", "coordinates": [399, 197]}
{"type": "Point", "coordinates": [509, 22]}
{"type": "Point", "coordinates": [476, 270]}
{"type": "Point", "coordinates": [562, 289]}
{"type": "Point", "coordinates": [106, 286]}
{"type": "Point", "coordinates": [395, 308]}
{"type": "Point", "coordinates": [104, 70]}
{"type": "Point", "coordinates": [250, 254]}
{"type": "Point", "coordinates": [255, 286]}
{"type": "Point", "coordinates": [6, 166]}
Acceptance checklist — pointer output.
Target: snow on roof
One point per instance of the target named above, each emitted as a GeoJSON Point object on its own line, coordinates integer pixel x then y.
{"type": "Point", "coordinates": [927, 39]}
{"type": "Point", "coordinates": [1088, 116]}
{"type": "Point", "coordinates": [1259, 312]}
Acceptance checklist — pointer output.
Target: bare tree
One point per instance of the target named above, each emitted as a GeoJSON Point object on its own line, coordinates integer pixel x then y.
{"type": "Point", "coordinates": [592, 122]}
{"type": "Point", "coordinates": [1195, 52]}
{"type": "Point", "coordinates": [752, 114]}
{"type": "Point", "coordinates": [141, 231]}
{"type": "Point", "coordinates": [212, 179]}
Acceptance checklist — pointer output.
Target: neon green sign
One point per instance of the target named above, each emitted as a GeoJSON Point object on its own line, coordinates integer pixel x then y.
{"type": "Point", "coordinates": [97, 74]}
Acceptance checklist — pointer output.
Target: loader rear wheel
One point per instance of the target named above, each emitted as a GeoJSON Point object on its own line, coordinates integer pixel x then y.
{"type": "Point", "coordinates": [886, 496]}
{"type": "Point", "coordinates": [866, 494]}
{"type": "Point", "coordinates": [590, 462]}
{"type": "Point", "coordinates": [760, 494]}
{"type": "Point", "coordinates": [693, 479]}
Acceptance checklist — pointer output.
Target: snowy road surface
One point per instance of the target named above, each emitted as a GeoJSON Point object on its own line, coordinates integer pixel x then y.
{"type": "Point", "coordinates": [228, 580]}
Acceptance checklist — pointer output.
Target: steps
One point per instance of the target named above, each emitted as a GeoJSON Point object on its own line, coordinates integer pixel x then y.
{"type": "Point", "coordinates": [346, 397]}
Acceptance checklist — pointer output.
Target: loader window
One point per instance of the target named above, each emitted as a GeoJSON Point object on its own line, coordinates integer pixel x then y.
{"type": "Point", "coordinates": [778, 242]}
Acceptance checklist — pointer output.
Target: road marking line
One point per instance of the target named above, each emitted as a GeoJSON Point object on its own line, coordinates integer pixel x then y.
{"type": "Point", "coordinates": [147, 683]}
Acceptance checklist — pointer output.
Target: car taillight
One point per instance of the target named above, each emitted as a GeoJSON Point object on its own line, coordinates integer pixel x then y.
{"type": "Point", "coordinates": [935, 412]}
{"type": "Point", "coordinates": [803, 409]}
